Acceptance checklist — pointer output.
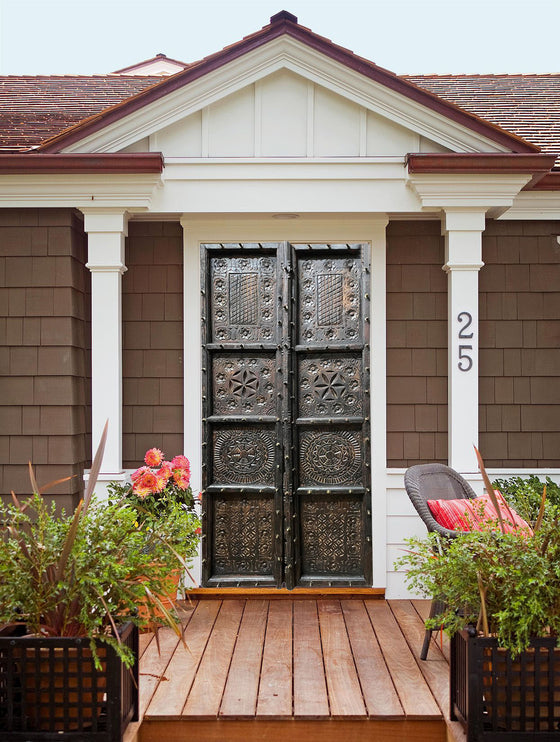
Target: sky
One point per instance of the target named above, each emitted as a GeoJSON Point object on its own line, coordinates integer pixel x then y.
{"type": "Point", "coordinates": [405, 36]}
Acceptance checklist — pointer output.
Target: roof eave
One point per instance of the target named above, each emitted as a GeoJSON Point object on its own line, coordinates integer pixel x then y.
{"type": "Point", "coordinates": [32, 163]}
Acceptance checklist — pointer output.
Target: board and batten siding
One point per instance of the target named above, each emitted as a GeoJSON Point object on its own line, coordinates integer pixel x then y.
{"type": "Point", "coordinates": [284, 115]}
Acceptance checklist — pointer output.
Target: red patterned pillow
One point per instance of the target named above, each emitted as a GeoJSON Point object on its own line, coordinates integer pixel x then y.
{"type": "Point", "coordinates": [470, 515]}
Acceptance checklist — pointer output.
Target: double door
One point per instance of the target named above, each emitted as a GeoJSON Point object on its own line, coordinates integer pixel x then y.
{"type": "Point", "coordinates": [286, 447]}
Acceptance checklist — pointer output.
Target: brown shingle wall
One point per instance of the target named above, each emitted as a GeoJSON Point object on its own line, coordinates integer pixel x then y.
{"type": "Point", "coordinates": [153, 341]}
{"type": "Point", "coordinates": [520, 345]}
{"type": "Point", "coordinates": [416, 344]}
{"type": "Point", "coordinates": [43, 337]}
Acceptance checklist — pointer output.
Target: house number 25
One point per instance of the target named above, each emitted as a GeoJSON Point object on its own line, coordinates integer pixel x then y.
{"type": "Point", "coordinates": [465, 359]}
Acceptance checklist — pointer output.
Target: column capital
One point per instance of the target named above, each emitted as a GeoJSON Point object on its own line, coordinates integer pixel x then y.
{"type": "Point", "coordinates": [463, 220]}
{"type": "Point", "coordinates": [105, 220]}
{"type": "Point", "coordinates": [106, 230]}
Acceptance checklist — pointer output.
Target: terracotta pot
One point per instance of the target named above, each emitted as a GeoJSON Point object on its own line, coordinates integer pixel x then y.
{"type": "Point", "coordinates": [167, 599]}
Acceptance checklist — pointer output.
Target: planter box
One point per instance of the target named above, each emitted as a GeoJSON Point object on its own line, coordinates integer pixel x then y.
{"type": "Point", "coordinates": [500, 699]}
{"type": "Point", "coordinates": [51, 690]}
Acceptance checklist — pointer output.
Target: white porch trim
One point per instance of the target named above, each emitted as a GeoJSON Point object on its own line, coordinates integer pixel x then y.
{"type": "Point", "coordinates": [106, 232]}
{"type": "Point", "coordinates": [327, 228]}
{"type": "Point", "coordinates": [463, 259]}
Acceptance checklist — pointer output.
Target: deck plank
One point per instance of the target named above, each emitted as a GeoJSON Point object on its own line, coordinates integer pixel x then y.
{"type": "Point", "coordinates": [378, 689]}
{"type": "Point", "coordinates": [275, 689]}
{"type": "Point", "coordinates": [439, 638]}
{"type": "Point", "coordinates": [242, 686]}
{"type": "Point", "coordinates": [436, 667]}
{"type": "Point", "coordinates": [345, 694]}
{"type": "Point", "coordinates": [206, 692]}
{"type": "Point", "coordinates": [154, 664]}
{"type": "Point", "coordinates": [310, 688]}
{"type": "Point", "coordinates": [169, 698]}
{"type": "Point", "coordinates": [414, 694]}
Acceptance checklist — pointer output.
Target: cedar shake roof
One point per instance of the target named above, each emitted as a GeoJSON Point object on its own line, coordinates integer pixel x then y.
{"type": "Point", "coordinates": [33, 109]}
{"type": "Point", "coordinates": [526, 105]}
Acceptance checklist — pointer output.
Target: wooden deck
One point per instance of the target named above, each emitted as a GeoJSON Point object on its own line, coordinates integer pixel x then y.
{"type": "Point", "coordinates": [299, 669]}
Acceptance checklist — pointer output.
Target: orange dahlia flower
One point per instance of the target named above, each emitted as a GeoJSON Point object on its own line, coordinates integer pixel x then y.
{"type": "Point", "coordinates": [153, 457]}
{"type": "Point", "coordinates": [145, 484]}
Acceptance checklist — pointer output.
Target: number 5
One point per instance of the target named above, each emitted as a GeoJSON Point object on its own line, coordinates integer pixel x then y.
{"type": "Point", "coordinates": [465, 357]}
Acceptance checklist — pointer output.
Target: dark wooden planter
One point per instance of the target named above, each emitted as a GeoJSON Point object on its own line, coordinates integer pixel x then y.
{"type": "Point", "coordinates": [51, 690]}
{"type": "Point", "coordinates": [498, 698]}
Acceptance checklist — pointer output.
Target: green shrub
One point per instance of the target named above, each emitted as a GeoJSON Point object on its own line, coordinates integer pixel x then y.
{"type": "Point", "coordinates": [524, 494]}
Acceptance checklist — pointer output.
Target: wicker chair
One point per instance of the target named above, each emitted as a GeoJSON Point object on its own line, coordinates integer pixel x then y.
{"type": "Point", "coordinates": [434, 482]}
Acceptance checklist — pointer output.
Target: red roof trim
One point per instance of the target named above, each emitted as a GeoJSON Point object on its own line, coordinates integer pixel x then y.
{"type": "Point", "coordinates": [550, 182]}
{"type": "Point", "coordinates": [480, 163]}
{"type": "Point", "coordinates": [37, 164]}
{"type": "Point", "coordinates": [284, 26]}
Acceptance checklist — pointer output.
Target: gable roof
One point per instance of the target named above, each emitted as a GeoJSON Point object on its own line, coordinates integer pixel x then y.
{"type": "Point", "coordinates": [46, 113]}
{"type": "Point", "coordinates": [161, 62]}
{"type": "Point", "coordinates": [285, 24]}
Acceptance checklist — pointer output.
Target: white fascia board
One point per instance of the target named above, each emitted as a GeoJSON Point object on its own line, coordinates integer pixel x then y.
{"type": "Point", "coordinates": [285, 53]}
{"type": "Point", "coordinates": [468, 190]}
{"type": "Point", "coordinates": [334, 168]}
{"type": "Point", "coordinates": [538, 205]}
{"type": "Point", "coordinates": [99, 191]}
{"type": "Point", "coordinates": [288, 196]}
{"type": "Point", "coordinates": [334, 185]}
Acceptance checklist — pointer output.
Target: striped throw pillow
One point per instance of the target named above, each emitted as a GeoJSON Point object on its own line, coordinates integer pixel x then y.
{"type": "Point", "coordinates": [470, 515]}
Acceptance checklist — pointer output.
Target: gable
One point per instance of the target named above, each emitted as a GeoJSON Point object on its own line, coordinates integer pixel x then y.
{"type": "Point", "coordinates": [285, 115]}
{"type": "Point", "coordinates": [287, 47]}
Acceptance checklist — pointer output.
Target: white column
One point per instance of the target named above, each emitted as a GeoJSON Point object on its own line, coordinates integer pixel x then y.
{"type": "Point", "coordinates": [192, 398]}
{"type": "Point", "coordinates": [378, 398]}
{"type": "Point", "coordinates": [463, 260]}
{"type": "Point", "coordinates": [106, 232]}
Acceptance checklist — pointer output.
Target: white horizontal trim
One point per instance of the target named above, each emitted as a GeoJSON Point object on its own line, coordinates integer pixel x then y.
{"type": "Point", "coordinates": [99, 191]}
{"type": "Point", "coordinates": [467, 190]}
{"type": "Point", "coordinates": [534, 205]}
{"type": "Point", "coordinates": [292, 169]}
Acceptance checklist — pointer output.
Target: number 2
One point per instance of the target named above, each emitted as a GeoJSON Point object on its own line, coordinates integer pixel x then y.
{"type": "Point", "coordinates": [463, 335]}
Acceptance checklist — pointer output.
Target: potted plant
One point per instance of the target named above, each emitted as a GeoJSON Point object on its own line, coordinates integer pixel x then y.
{"type": "Point", "coordinates": [162, 497]}
{"type": "Point", "coordinates": [70, 585]}
{"type": "Point", "coordinates": [500, 591]}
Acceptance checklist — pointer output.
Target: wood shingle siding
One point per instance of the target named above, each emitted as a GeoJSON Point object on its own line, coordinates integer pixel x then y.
{"type": "Point", "coordinates": [44, 323]}
{"type": "Point", "coordinates": [416, 344]}
{"type": "Point", "coordinates": [520, 345]}
{"type": "Point", "coordinates": [153, 341]}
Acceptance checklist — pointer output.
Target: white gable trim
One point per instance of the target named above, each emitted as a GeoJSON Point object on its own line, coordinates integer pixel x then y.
{"type": "Point", "coordinates": [284, 53]}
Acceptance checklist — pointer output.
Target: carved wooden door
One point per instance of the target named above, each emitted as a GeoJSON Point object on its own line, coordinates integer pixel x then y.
{"type": "Point", "coordinates": [286, 479]}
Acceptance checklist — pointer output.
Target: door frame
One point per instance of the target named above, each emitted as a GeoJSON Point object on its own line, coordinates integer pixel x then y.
{"type": "Point", "coordinates": [198, 229]}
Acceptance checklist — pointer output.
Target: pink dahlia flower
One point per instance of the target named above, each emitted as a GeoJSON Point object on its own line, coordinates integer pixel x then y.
{"type": "Point", "coordinates": [145, 485]}
{"type": "Point", "coordinates": [138, 473]}
{"type": "Point", "coordinates": [163, 475]}
{"type": "Point", "coordinates": [154, 457]}
{"type": "Point", "coordinates": [182, 478]}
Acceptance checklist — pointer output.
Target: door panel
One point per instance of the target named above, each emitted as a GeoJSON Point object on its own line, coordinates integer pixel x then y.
{"type": "Point", "coordinates": [286, 428]}
{"type": "Point", "coordinates": [242, 475]}
{"type": "Point", "coordinates": [331, 359]}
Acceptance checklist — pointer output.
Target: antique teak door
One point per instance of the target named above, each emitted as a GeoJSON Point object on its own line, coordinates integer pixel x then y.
{"type": "Point", "coordinates": [286, 447]}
